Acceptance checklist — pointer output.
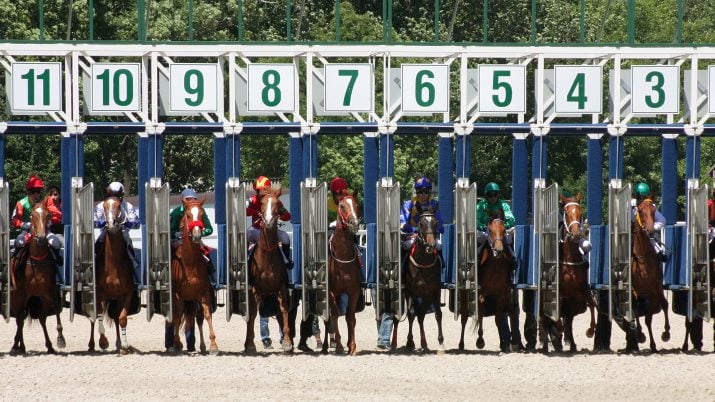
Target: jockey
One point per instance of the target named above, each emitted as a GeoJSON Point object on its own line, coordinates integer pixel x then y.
{"type": "Point", "coordinates": [413, 209]}
{"type": "Point", "coordinates": [489, 206]}
{"type": "Point", "coordinates": [131, 221]}
{"type": "Point", "coordinates": [53, 198]}
{"type": "Point", "coordinates": [338, 190]}
{"type": "Point", "coordinates": [175, 217]}
{"type": "Point", "coordinates": [584, 245]}
{"type": "Point", "coordinates": [253, 209]}
{"type": "Point", "coordinates": [642, 192]}
{"type": "Point", "coordinates": [21, 217]}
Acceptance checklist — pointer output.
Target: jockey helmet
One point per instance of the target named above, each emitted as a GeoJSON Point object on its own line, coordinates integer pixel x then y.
{"type": "Point", "coordinates": [423, 182]}
{"type": "Point", "coordinates": [642, 189]}
{"type": "Point", "coordinates": [338, 184]}
{"type": "Point", "coordinates": [34, 183]}
{"type": "Point", "coordinates": [566, 193]}
{"type": "Point", "coordinates": [188, 193]}
{"type": "Point", "coordinates": [491, 187]}
{"type": "Point", "coordinates": [262, 183]}
{"type": "Point", "coordinates": [115, 188]}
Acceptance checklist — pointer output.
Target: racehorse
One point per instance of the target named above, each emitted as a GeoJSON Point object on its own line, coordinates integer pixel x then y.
{"type": "Point", "coordinates": [422, 282]}
{"type": "Point", "coordinates": [574, 295]}
{"type": "Point", "coordinates": [115, 281]}
{"type": "Point", "coordinates": [267, 270]}
{"type": "Point", "coordinates": [646, 274]}
{"type": "Point", "coordinates": [494, 281]}
{"type": "Point", "coordinates": [33, 277]}
{"type": "Point", "coordinates": [190, 275]}
{"type": "Point", "coordinates": [343, 273]}
{"type": "Point", "coordinates": [694, 329]}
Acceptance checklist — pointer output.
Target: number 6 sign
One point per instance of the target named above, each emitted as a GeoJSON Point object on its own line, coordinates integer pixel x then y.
{"type": "Point", "coordinates": [425, 88]}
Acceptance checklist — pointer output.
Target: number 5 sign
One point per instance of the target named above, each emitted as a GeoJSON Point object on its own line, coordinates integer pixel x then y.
{"type": "Point", "coordinates": [656, 89]}
{"type": "Point", "coordinates": [502, 89]}
{"type": "Point", "coordinates": [425, 88]}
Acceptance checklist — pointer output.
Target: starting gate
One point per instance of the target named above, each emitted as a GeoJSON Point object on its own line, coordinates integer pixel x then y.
{"type": "Point", "coordinates": [314, 243]}
{"type": "Point", "coordinates": [237, 288]}
{"type": "Point", "coordinates": [465, 251]}
{"type": "Point", "coordinates": [158, 252]}
{"type": "Point", "coordinates": [389, 261]}
{"type": "Point", "coordinates": [697, 252]}
{"type": "Point", "coordinates": [83, 297]}
{"type": "Point", "coordinates": [4, 250]}
{"type": "Point", "coordinates": [546, 224]}
{"type": "Point", "coordinates": [620, 300]}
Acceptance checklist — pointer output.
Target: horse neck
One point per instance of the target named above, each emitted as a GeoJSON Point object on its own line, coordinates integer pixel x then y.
{"type": "Point", "coordinates": [38, 251]}
{"type": "Point", "coordinates": [268, 238]}
{"type": "Point", "coordinates": [190, 251]}
{"type": "Point", "coordinates": [342, 243]}
{"type": "Point", "coordinates": [641, 246]}
{"type": "Point", "coordinates": [570, 251]}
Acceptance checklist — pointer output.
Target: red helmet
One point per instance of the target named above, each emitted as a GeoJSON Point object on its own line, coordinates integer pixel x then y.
{"type": "Point", "coordinates": [34, 183]}
{"type": "Point", "coordinates": [262, 183]}
{"type": "Point", "coordinates": [338, 184]}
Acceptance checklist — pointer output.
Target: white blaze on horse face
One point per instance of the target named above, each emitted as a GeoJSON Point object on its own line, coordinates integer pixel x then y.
{"type": "Point", "coordinates": [194, 213]}
{"type": "Point", "coordinates": [269, 210]}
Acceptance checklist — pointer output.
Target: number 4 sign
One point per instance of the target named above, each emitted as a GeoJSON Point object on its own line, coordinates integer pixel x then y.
{"type": "Point", "coordinates": [578, 89]}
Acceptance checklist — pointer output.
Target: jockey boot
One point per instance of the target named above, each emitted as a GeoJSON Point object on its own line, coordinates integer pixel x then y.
{"type": "Point", "coordinates": [57, 255]}
{"type": "Point", "coordinates": [285, 250]}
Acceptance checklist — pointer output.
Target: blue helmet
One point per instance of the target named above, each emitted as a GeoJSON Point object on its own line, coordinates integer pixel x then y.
{"type": "Point", "coordinates": [423, 182]}
{"type": "Point", "coordinates": [188, 193]}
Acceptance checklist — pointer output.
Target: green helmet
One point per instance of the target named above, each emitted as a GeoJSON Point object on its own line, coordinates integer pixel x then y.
{"type": "Point", "coordinates": [491, 187]}
{"type": "Point", "coordinates": [642, 189]}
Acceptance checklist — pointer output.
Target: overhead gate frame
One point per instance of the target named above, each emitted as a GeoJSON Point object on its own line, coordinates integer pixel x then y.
{"type": "Point", "coordinates": [83, 276]}
{"type": "Point", "coordinates": [619, 250]}
{"type": "Point", "coordinates": [237, 288]}
{"type": "Point", "coordinates": [698, 252]}
{"type": "Point", "coordinates": [314, 248]}
{"type": "Point", "coordinates": [546, 224]}
{"type": "Point", "coordinates": [389, 261]}
{"type": "Point", "coordinates": [158, 244]}
{"type": "Point", "coordinates": [466, 260]}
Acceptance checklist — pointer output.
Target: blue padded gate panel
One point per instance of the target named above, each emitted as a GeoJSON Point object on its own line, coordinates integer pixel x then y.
{"type": "Point", "coordinates": [295, 274]}
{"type": "Point", "coordinates": [522, 243]}
{"type": "Point", "coordinates": [370, 263]}
{"type": "Point", "coordinates": [598, 257]}
{"type": "Point", "coordinates": [448, 256]}
{"type": "Point", "coordinates": [674, 276]}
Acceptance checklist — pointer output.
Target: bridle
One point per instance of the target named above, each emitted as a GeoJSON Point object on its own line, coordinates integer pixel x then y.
{"type": "Point", "coordinates": [342, 222]}
{"type": "Point", "coordinates": [567, 235]}
{"type": "Point", "coordinates": [265, 224]}
{"type": "Point", "coordinates": [427, 224]}
{"type": "Point", "coordinates": [491, 241]}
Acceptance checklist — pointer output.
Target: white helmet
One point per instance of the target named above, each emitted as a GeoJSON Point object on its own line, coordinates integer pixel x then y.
{"type": "Point", "coordinates": [116, 187]}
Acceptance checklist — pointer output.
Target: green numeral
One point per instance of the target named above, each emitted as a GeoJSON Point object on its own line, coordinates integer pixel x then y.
{"type": "Point", "coordinates": [657, 87]}
{"type": "Point", "coordinates": [351, 84]}
{"type": "Point", "coordinates": [497, 85]}
{"type": "Point", "coordinates": [271, 79]}
{"type": "Point", "coordinates": [116, 96]}
{"type": "Point", "coordinates": [577, 92]}
{"type": "Point", "coordinates": [421, 87]}
{"type": "Point", "coordinates": [196, 90]}
{"type": "Point", "coordinates": [30, 77]}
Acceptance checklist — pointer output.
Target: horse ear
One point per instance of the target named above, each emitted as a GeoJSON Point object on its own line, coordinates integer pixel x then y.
{"type": "Point", "coordinates": [203, 200]}
{"type": "Point", "coordinates": [578, 197]}
{"type": "Point", "coordinates": [562, 198]}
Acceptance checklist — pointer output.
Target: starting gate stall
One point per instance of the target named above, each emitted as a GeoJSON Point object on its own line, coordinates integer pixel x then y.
{"type": "Point", "coordinates": [619, 252]}
{"type": "Point", "coordinates": [83, 277]}
{"type": "Point", "coordinates": [237, 288]}
{"type": "Point", "coordinates": [158, 249]}
{"type": "Point", "coordinates": [465, 248]}
{"type": "Point", "coordinates": [697, 262]}
{"type": "Point", "coordinates": [546, 233]}
{"type": "Point", "coordinates": [5, 251]}
{"type": "Point", "coordinates": [388, 250]}
{"type": "Point", "coordinates": [314, 248]}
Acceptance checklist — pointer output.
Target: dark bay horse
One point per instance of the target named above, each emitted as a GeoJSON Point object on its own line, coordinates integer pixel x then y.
{"type": "Point", "coordinates": [575, 295]}
{"type": "Point", "coordinates": [267, 271]}
{"type": "Point", "coordinates": [494, 281]}
{"type": "Point", "coordinates": [33, 277]}
{"type": "Point", "coordinates": [115, 280]}
{"type": "Point", "coordinates": [344, 273]}
{"type": "Point", "coordinates": [190, 275]}
{"type": "Point", "coordinates": [646, 274]}
{"type": "Point", "coordinates": [694, 329]}
{"type": "Point", "coordinates": [423, 282]}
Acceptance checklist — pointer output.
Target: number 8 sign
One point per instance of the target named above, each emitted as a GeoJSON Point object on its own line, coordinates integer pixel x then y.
{"type": "Point", "coordinates": [271, 88]}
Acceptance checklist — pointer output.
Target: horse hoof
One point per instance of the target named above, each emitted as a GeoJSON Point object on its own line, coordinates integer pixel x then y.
{"type": "Point", "coordinates": [124, 351]}
{"type": "Point", "coordinates": [641, 338]}
{"type": "Point", "coordinates": [352, 351]}
{"type": "Point", "coordinates": [665, 336]}
{"type": "Point", "coordinates": [480, 343]}
{"type": "Point", "coordinates": [61, 342]}
{"type": "Point", "coordinates": [213, 351]}
{"type": "Point", "coordinates": [51, 350]}
{"type": "Point", "coordinates": [250, 350]}
{"type": "Point", "coordinates": [287, 347]}
{"type": "Point", "coordinates": [339, 350]}
{"type": "Point", "coordinates": [410, 345]}
{"type": "Point", "coordinates": [103, 344]}
{"type": "Point", "coordinates": [590, 332]}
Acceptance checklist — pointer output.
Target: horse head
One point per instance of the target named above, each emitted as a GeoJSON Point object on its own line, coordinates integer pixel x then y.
{"type": "Point", "coordinates": [572, 217]}
{"type": "Point", "coordinates": [428, 231]}
{"type": "Point", "coordinates": [347, 214]}
{"type": "Point", "coordinates": [193, 222]}
{"type": "Point", "coordinates": [113, 213]}
{"type": "Point", "coordinates": [40, 221]}
{"type": "Point", "coordinates": [645, 216]}
{"type": "Point", "coordinates": [269, 206]}
{"type": "Point", "coordinates": [497, 232]}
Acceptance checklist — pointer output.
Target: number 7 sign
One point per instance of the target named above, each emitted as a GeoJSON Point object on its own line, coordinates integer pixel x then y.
{"type": "Point", "coordinates": [349, 87]}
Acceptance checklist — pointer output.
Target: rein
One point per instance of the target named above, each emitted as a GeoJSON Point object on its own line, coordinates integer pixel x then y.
{"type": "Point", "coordinates": [332, 255]}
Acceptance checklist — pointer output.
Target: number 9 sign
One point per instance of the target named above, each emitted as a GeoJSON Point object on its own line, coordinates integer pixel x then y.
{"type": "Point", "coordinates": [195, 87]}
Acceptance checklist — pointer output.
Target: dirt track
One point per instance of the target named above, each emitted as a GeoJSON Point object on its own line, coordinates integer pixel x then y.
{"type": "Point", "coordinates": [149, 373]}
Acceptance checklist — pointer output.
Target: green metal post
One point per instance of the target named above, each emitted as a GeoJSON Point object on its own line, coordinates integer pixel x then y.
{"type": "Point", "coordinates": [679, 28]}
{"type": "Point", "coordinates": [389, 20]}
{"type": "Point", "coordinates": [289, 7]}
{"type": "Point", "coordinates": [533, 21]}
{"type": "Point", "coordinates": [337, 20]}
{"type": "Point", "coordinates": [384, 20]}
{"type": "Point", "coordinates": [631, 21]}
{"type": "Point", "coordinates": [239, 18]}
{"type": "Point", "coordinates": [41, 10]}
{"type": "Point", "coordinates": [436, 20]}
{"type": "Point", "coordinates": [485, 21]}
{"type": "Point", "coordinates": [582, 23]}
{"type": "Point", "coordinates": [141, 20]}
{"type": "Point", "coordinates": [191, 19]}
{"type": "Point", "coordinates": [91, 19]}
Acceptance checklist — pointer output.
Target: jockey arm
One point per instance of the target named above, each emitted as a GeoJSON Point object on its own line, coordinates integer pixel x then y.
{"type": "Point", "coordinates": [659, 220]}
{"type": "Point", "coordinates": [99, 219]}
{"type": "Point", "coordinates": [482, 216]}
{"type": "Point", "coordinates": [405, 226]}
{"type": "Point", "coordinates": [283, 213]}
{"type": "Point", "coordinates": [509, 219]}
{"type": "Point", "coordinates": [711, 212]}
{"type": "Point", "coordinates": [175, 221]}
{"type": "Point", "coordinates": [131, 216]}
{"type": "Point", "coordinates": [55, 212]}
{"type": "Point", "coordinates": [208, 228]}
{"type": "Point", "coordinates": [17, 215]}
{"type": "Point", "coordinates": [438, 215]}
{"type": "Point", "coordinates": [253, 207]}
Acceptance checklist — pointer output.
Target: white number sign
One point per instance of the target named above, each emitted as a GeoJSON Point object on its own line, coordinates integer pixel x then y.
{"type": "Point", "coordinates": [271, 88]}
{"type": "Point", "coordinates": [578, 89]}
{"type": "Point", "coordinates": [36, 88]}
{"type": "Point", "coordinates": [115, 87]}
{"type": "Point", "coordinates": [502, 89]}
{"type": "Point", "coordinates": [349, 87]}
{"type": "Point", "coordinates": [656, 89]}
{"type": "Point", "coordinates": [425, 88]}
{"type": "Point", "coordinates": [195, 87]}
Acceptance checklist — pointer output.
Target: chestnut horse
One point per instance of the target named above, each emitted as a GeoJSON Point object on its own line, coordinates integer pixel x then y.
{"type": "Point", "coordinates": [343, 273]}
{"type": "Point", "coordinates": [268, 271]}
{"type": "Point", "coordinates": [115, 280]}
{"type": "Point", "coordinates": [33, 277]}
{"type": "Point", "coordinates": [494, 281]}
{"type": "Point", "coordinates": [646, 274]}
{"type": "Point", "coordinates": [422, 282]}
{"type": "Point", "coordinates": [575, 294]}
{"type": "Point", "coordinates": [190, 275]}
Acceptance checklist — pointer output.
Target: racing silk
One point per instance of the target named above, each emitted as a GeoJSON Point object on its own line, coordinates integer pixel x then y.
{"type": "Point", "coordinates": [253, 209]}
{"type": "Point", "coordinates": [411, 212]}
{"type": "Point", "coordinates": [18, 215]}
{"type": "Point", "coordinates": [659, 218]}
{"type": "Point", "coordinates": [711, 212]}
{"type": "Point", "coordinates": [175, 222]}
{"type": "Point", "coordinates": [485, 210]}
{"type": "Point", "coordinates": [55, 211]}
{"type": "Point", "coordinates": [131, 216]}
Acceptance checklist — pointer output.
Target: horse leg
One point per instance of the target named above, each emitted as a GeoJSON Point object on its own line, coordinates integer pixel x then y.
{"type": "Point", "coordinates": [199, 323]}
{"type": "Point", "coordinates": [410, 321]}
{"type": "Point", "coordinates": [326, 338]}
{"type": "Point", "coordinates": [480, 332]}
{"type": "Point", "coordinates": [48, 343]}
{"type": "Point", "coordinates": [177, 312]}
{"type": "Point", "coordinates": [687, 332]}
{"type": "Point", "coordinates": [648, 322]}
{"type": "Point", "coordinates": [205, 303]}
{"type": "Point", "coordinates": [103, 342]}
{"type": "Point", "coordinates": [665, 336]}
{"type": "Point", "coordinates": [189, 320]}
{"type": "Point", "coordinates": [423, 336]}
{"type": "Point", "coordinates": [19, 344]}
{"type": "Point", "coordinates": [249, 346]}
{"type": "Point", "coordinates": [499, 320]}
{"type": "Point", "coordinates": [591, 302]}
{"type": "Point", "coordinates": [393, 343]}
{"type": "Point", "coordinates": [568, 332]}
{"type": "Point", "coordinates": [350, 320]}
{"type": "Point", "coordinates": [121, 324]}
{"type": "Point", "coordinates": [61, 343]}
{"type": "Point", "coordinates": [283, 304]}
{"type": "Point", "coordinates": [463, 318]}
{"type": "Point", "coordinates": [641, 335]}
{"type": "Point", "coordinates": [438, 317]}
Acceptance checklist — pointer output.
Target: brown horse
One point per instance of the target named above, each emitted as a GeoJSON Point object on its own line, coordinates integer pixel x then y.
{"type": "Point", "coordinates": [646, 274]}
{"type": "Point", "coordinates": [115, 281]}
{"type": "Point", "coordinates": [268, 271]}
{"type": "Point", "coordinates": [422, 282]}
{"type": "Point", "coordinates": [33, 278]}
{"type": "Point", "coordinates": [190, 275]}
{"type": "Point", "coordinates": [494, 281]}
{"type": "Point", "coordinates": [343, 273]}
{"type": "Point", "coordinates": [575, 294]}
